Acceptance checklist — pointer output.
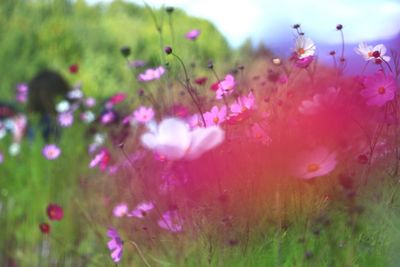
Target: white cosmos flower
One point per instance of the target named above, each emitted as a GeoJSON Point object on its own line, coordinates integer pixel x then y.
{"type": "Point", "coordinates": [305, 47]}
{"type": "Point", "coordinates": [173, 139]}
{"type": "Point", "coordinates": [366, 51]}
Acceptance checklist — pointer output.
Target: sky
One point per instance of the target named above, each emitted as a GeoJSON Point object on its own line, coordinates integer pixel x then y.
{"type": "Point", "coordinates": [270, 21]}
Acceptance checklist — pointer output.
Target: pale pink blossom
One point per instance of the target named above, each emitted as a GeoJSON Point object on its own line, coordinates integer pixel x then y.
{"type": "Point", "coordinates": [120, 210]}
{"type": "Point", "coordinates": [243, 104]}
{"type": "Point", "coordinates": [65, 119]}
{"type": "Point", "coordinates": [151, 74]}
{"type": "Point", "coordinates": [315, 163]}
{"type": "Point", "coordinates": [171, 221]}
{"type": "Point", "coordinates": [379, 89]}
{"type": "Point", "coordinates": [143, 114]}
{"type": "Point", "coordinates": [141, 210]}
{"type": "Point", "coordinates": [51, 152]}
{"type": "Point", "coordinates": [216, 116]}
{"type": "Point", "coordinates": [226, 86]}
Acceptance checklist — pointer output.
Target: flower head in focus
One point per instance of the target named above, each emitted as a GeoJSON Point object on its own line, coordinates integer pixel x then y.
{"type": "Point", "coordinates": [304, 47]}
{"type": "Point", "coordinates": [376, 53]}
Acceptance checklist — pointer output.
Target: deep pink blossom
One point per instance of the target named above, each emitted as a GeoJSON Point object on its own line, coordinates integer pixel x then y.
{"type": "Point", "coordinates": [193, 34]}
{"type": "Point", "coordinates": [55, 212]}
{"type": "Point", "coordinates": [101, 159]}
{"type": "Point", "coordinates": [226, 86]}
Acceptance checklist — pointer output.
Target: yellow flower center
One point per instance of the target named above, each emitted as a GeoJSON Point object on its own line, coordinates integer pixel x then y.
{"type": "Point", "coordinates": [313, 167]}
{"type": "Point", "coordinates": [381, 90]}
{"type": "Point", "coordinates": [216, 120]}
{"type": "Point", "coordinates": [370, 53]}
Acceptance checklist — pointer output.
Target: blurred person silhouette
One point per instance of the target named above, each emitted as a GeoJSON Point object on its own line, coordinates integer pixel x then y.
{"type": "Point", "coordinates": [46, 90]}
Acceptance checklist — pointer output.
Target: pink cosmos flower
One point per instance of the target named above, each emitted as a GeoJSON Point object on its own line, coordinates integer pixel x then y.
{"type": "Point", "coordinates": [379, 89]}
{"type": "Point", "coordinates": [141, 210]}
{"type": "Point", "coordinates": [315, 163]}
{"type": "Point", "coordinates": [258, 134]}
{"type": "Point", "coordinates": [115, 245]}
{"type": "Point", "coordinates": [65, 119]}
{"type": "Point", "coordinates": [173, 139]}
{"type": "Point", "coordinates": [51, 152]}
{"type": "Point", "coordinates": [195, 121]}
{"type": "Point", "coordinates": [101, 159]}
{"type": "Point", "coordinates": [216, 116]}
{"type": "Point", "coordinates": [243, 104]}
{"type": "Point", "coordinates": [314, 105]}
{"type": "Point", "coordinates": [151, 74]}
{"type": "Point", "coordinates": [226, 86]}
{"type": "Point", "coordinates": [143, 114]}
{"type": "Point", "coordinates": [192, 35]}
{"type": "Point", "coordinates": [120, 210]}
{"type": "Point", "coordinates": [55, 212]}
{"type": "Point", "coordinates": [171, 221]}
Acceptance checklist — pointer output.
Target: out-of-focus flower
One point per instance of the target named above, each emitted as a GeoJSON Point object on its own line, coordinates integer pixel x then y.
{"type": "Point", "coordinates": [216, 116]}
{"type": "Point", "coordinates": [226, 86]}
{"type": "Point", "coordinates": [171, 221]}
{"type": "Point", "coordinates": [120, 210]}
{"type": "Point", "coordinates": [75, 94]}
{"type": "Point", "coordinates": [379, 89]}
{"type": "Point", "coordinates": [180, 111]}
{"type": "Point", "coordinates": [19, 127]}
{"type": "Point", "coordinates": [173, 139]}
{"type": "Point", "coordinates": [74, 68]}
{"type": "Point", "coordinates": [258, 134]}
{"type": "Point", "coordinates": [193, 34]}
{"type": "Point", "coordinates": [315, 163]}
{"type": "Point", "coordinates": [55, 212]}
{"type": "Point", "coordinates": [143, 114]}
{"type": "Point", "coordinates": [1, 157]}
{"type": "Point", "coordinates": [65, 119]}
{"type": "Point", "coordinates": [151, 74]}
{"type": "Point", "coordinates": [63, 106]}
{"type": "Point", "coordinates": [304, 47]}
{"type": "Point", "coordinates": [88, 116]}
{"type": "Point", "coordinates": [14, 149]}
{"type": "Point", "coordinates": [195, 121]}
{"type": "Point", "coordinates": [51, 152]}
{"type": "Point", "coordinates": [370, 53]}
{"type": "Point", "coordinates": [115, 245]}
{"type": "Point", "coordinates": [107, 117]}
{"type": "Point", "coordinates": [314, 105]}
{"type": "Point", "coordinates": [22, 92]}
{"type": "Point", "coordinates": [201, 80]}
{"type": "Point", "coordinates": [117, 98]}
{"type": "Point", "coordinates": [90, 102]}
{"type": "Point", "coordinates": [44, 228]}
{"type": "Point", "coordinates": [141, 210]}
{"type": "Point", "coordinates": [101, 159]}
{"type": "Point", "coordinates": [243, 104]}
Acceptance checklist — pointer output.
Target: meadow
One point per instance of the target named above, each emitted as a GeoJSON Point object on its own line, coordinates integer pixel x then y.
{"type": "Point", "coordinates": [177, 150]}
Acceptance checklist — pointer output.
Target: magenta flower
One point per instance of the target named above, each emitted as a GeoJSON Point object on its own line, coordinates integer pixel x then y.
{"type": "Point", "coordinates": [216, 116]}
{"type": "Point", "coordinates": [151, 74]}
{"type": "Point", "coordinates": [115, 245]}
{"type": "Point", "coordinates": [379, 89]}
{"type": "Point", "coordinates": [65, 119]}
{"type": "Point", "coordinates": [22, 93]}
{"type": "Point", "coordinates": [1, 157]}
{"type": "Point", "coordinates": [143, 114]}
{"type": "Point", "coordinates": [315, 163]}
{"type": "Point", "coordinates": [171, 221]}
{"type": "Point", "coordinates": [195, 121]}
{"type": "Point", "coordinates": [107, 117]}
{"type": "Point", "coordinates": [51, 152]}
{"type": "Point", "coordinates": [141, 210]}
{"type": "Point", "coordinates": [193, 34]}
{"type": "Point", "coordinates": [226, 86]}
{"type": "Point", "coordinates": [120, 210]}
{"type": "Point", "coordinates": [55, 212]}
